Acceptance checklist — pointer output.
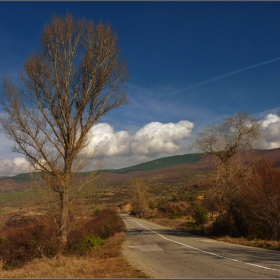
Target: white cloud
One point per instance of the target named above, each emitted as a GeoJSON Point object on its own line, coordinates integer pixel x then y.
{"type": "Point", "coordinates": [271, 132]}
{"type": "Point", "coordinates": [156, 138]}
{"type": "Point", "coordinates": [9, 167]}
{"type": "Point", "coordinates": [109, 143]}
{"type": "Point", "coordinates": [122, 148]}
{"type": "Point", "coordinates": [270, 118]}
{"type": "Point", "coordinates": [151, 140]}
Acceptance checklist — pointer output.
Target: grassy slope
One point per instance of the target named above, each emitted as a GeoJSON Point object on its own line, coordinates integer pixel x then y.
{"type": "Point", "coordinates": [159, 163]}
{"type": "Point", "coordinates": [156, 164]}
{"type": "Point", "coordinates": [146, 166]}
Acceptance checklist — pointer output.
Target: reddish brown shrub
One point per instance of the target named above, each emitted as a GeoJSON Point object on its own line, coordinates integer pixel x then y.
{"type": "Point", "coordinates": [27, 239]}
{"type": "Point", "coordinates": [260, 201]}
{"type": "Point", "coordinates": [248, 201]}
{"type": "Point", "coordinates": [106, 224]}
{"type": "Point", "coordinates": [102, 226]}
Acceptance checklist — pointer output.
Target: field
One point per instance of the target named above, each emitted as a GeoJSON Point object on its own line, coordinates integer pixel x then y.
{"type": "Point", "coordinates": [168, 178]}
{"type": "Point", "coordinates": [173, 189]}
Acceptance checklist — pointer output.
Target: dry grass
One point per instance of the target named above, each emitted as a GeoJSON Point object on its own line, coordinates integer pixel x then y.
{"type": "Point", "coordinates": [74, 267]}
{"type": "Point", "coordinates": [166, 222]}
{"type": "Point", "coordinates": [107, 262]}
{"type": "Point", "coordinates": [268, 244]}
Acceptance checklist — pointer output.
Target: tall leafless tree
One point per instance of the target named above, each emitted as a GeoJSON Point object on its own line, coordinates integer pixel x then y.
{"type": "Point", "coordinates": [65, 88]}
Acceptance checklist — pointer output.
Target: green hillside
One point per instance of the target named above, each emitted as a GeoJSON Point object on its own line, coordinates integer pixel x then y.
{"type": "Point", "coordinates": [158, 163]}
{"type": "Point", "coordinates": [150, 165]}
{"type": "Point", "coordinates": [22, 178]}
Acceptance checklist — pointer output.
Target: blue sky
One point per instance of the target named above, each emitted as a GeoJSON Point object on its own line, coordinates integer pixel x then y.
{"type": "Point", "coordinates": [188, 61]}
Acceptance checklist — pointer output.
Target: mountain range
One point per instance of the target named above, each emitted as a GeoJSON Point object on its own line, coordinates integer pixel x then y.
{"type": "Point", "coordinates": [194, 161]}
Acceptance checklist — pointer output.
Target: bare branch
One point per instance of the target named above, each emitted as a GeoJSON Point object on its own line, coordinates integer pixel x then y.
{"type": "Point", "coordinates": [223, 140]}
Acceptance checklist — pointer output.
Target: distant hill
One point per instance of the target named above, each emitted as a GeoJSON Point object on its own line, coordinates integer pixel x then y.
{"type": "Point", "coordinates": [193, 161]}
{"type": "Point", "coordinates": [146, 166]}
{"type": "Point", "coordinates": [245, 156]}
{"type": "Point", "coordinates": [158, 163]}
{"type": "Point", "coordinates": [21, 178]}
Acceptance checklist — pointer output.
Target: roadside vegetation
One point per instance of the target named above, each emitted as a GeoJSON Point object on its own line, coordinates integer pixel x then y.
{"type": "Point", "coordinates": [239, 199]}
{"type": "Point", "coordinates": [242, 209]}
{"type": "Point", "coordinates": [29, 245]}
{"type": "Point", "coordinates": [68, 226]}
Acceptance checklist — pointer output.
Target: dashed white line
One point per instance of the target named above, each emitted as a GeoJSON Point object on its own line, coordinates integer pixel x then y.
{"type": "Point", "coordinates": [206, 252]}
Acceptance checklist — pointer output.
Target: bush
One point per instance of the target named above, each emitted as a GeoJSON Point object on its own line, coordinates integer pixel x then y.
{"type": "Point", "coordinates": [106, 224]}
{"type": "Point", "coordinates": [94, 241]}
{"type": "Point", "coordinates": [220, 226]}
{"type": "Point", "coordinates": [27, 239]}
{"type": "Point", "coordinates": [94, 232]}
{"type": "Point", "coordinates": [152, 205]}
{"type": "Point", "coordinates": [174, 216]}
{"type": "Point", "coordinates": [192, 225]}
{"type": "Point", "coordinates": [173, 211]}
{"type": "Point", "coordinates": [96, 211]}
{"type": "Point", "coordinates": [200, 215]}
{"type": "Point", "coordinates": [249, 202]}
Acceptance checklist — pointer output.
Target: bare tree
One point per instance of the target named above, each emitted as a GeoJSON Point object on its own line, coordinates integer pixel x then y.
{"type": "Point", "coordinates": [225, 139]}
{"type": "Point", "coordinates": [65, 88]}
{"type": "Point", "coordinates": [139, 195]}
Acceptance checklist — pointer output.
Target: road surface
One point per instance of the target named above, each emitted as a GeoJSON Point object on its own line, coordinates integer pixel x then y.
{"type": "Point", "coordinates": [162, 252]}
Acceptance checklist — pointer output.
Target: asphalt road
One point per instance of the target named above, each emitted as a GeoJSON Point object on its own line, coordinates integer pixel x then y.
{"type": "Point", "coordinates": [162, 252]}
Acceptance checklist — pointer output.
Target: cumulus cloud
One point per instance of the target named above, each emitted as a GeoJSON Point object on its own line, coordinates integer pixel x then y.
{"type": "Point", "coordinates": [156, 138]}
{"type": "Point", "coordinates": [153, 139]}
{"type": "Point", "coordinates": [122, 148]}
{"type": "Point", "coordinates": [109, 143]}
{"type": "Point", "coordinates": [271, 132]}
{"type": "Point", "coordinates": [9, 167]}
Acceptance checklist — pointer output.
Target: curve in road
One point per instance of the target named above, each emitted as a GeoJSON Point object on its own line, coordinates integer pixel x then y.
{"type": "Point", "coordinates": [148, 247]}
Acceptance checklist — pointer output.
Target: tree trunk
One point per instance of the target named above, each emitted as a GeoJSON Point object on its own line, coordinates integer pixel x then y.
{"type": "Point", "coordinates": [63, 226]}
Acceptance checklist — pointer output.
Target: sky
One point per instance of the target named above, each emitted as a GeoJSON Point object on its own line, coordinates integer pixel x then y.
{"type": "Point", "coordinates": [190, 65]}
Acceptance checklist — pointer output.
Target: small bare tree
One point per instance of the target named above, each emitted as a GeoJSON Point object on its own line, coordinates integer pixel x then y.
{"type": "Point", "coordinates": [139, 195]}
{"type": "Point", "coordinates": [65, 88]}
{"type": "Point", "coordinates": [223, 140]}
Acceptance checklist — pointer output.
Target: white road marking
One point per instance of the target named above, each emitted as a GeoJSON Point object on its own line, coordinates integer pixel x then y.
{"type": "Point", "coordinates": [206, 240]}
{"type": "Point", "coordinates": [147, 247]}
{"type": "Point", "coordinates": [209, 253]}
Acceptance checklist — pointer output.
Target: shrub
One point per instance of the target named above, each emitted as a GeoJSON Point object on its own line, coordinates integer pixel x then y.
{"type": "Point", "coordinates": [94, 232]}
{"type": "Point", "coordinates": [96, 211]}
{"type": "Point", "coordinates": [94, 241]}
{"type": "Point", "coordinates": [191, 224]}
{"type": "Point", "coordinates": [200, 215]}
{"type": "Point", "coordinates": [173, 211]}
{"type": "Point", "coordinates": [106, 224]}
{"type": "Point", "coordinates": [174, 216]}
{"type": "Point", "coordinates": [249, 202]}
{"type": "Point", "coordinates": [220, 226]}
{"type": "Point", "coordinates": [28, 239]}
{"type": "Point", "coordinates": [152, 205]}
